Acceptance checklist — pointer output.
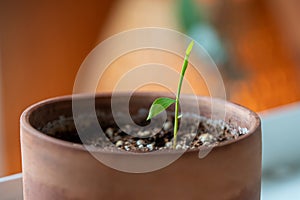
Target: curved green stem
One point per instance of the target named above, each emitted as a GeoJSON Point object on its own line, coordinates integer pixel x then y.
{"type": "Point", "coordinates": [184, 66]}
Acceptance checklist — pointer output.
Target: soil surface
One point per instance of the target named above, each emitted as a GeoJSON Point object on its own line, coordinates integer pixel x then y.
{"type": "Point", "coordinates": [194, 131]}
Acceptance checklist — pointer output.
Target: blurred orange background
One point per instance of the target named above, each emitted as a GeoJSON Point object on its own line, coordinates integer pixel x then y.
{"type": "Point", "coordinates": [42, 44]}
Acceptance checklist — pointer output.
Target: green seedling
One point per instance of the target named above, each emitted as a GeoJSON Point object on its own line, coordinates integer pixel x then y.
{"type": "Point", "coordinates": [162, 103]}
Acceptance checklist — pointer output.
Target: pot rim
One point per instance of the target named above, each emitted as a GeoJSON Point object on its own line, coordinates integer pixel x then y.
{"type": "Point", "coordinates": [25, 124]}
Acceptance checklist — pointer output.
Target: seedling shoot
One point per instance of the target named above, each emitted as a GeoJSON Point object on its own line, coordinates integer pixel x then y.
{"type": "Point", "coordinates": [162, 103]}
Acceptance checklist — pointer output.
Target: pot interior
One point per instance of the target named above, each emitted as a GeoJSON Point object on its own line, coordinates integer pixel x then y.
{"type": "Point", "coordinates": [60, 110]}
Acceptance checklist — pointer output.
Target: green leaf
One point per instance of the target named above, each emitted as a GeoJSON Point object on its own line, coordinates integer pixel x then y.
{"type": "Point", "coordinates": [189, 49]}
{"type": "Point", "coordinates": [159, 105]}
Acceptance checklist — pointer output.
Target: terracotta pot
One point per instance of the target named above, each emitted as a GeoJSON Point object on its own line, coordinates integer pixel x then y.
{"type": "Point", "coordinates": [56, 169]}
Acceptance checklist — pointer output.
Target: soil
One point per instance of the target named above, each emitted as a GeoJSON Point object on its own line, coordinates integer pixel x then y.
{"type": "Point", "coordinates": [195, 132]}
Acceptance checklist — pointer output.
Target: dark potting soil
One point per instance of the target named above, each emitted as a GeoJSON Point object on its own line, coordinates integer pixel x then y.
{"type": "Point", "coordinates": [194, 131]}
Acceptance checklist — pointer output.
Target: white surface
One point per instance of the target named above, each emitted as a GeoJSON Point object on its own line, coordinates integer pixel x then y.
{"type": "Point", "coordinates": [11, 187]}
{"type": "Point", "coordinates": [281, 153]}
{"type": "Point", "coordinates": [283, 186]}
{"type": "Point", "coordinates": [281, 135]}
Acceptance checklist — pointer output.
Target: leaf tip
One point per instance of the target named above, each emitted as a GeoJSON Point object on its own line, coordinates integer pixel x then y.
{"type": "Point", "coordinates": [189, 49]}
{"type": "Point", "coordinates": [148, 118]}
